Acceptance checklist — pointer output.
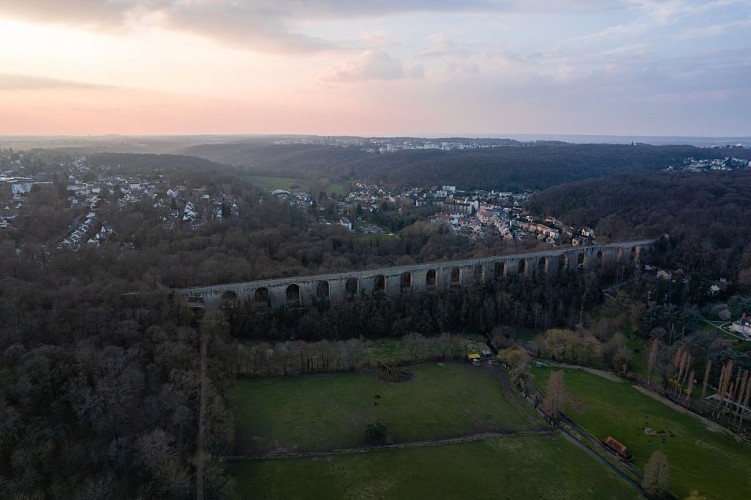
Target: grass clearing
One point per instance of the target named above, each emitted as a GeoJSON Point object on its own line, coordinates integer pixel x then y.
{"type": "Point", "coordinates": [714, 463]}
{"type": "Point", "coordinates": [333, 411]}
{"type": "Point", "coordinates": [273, 183]}
{"type": "Point", "coordinates": [639, 346]}
{"type": "Point", "coordinates": [508, 467]}
{"type": "Point", "coordinates": [338, 189]}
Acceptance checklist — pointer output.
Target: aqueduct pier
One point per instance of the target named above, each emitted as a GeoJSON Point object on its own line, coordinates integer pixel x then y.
{"type": "Point", "coordinates": [301, 291]}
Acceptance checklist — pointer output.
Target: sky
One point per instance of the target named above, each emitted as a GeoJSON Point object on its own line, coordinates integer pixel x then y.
{"type": "Point", "coordinates": [376, 67]}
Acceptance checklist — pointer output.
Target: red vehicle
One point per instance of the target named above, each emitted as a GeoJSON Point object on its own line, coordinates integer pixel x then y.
{"type": "Point", "coordinates": [618, 448]}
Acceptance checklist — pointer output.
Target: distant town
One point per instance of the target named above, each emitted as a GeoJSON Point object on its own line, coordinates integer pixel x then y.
{"type": "Point", "coordinates": [727, 164]}
{"type": "Point", "coordinates": [475, 215]}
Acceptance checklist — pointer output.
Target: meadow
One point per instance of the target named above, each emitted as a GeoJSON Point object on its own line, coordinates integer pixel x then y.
{"type": "Point", "coordinates": [321, 412]}
{"type": "Point", "coordinates": [701, 455]}
{"type": "Point", "coordinates": [268, 183]}
{"type": "Point", "coordinates": [526, 466]}
{"type": "Point", "coordinates": [271, 183]}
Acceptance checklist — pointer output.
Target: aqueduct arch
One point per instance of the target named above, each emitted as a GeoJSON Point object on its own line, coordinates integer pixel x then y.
{"type": "Point", "coordinates": [292, 294]}
{"type": "Point", "coordinates": [351, 288]}
{"type": "Point", "coordinates": [430, 278]}
{"type": "Point", "coordinates": [455, 277]}
{"type": "Point", "coordinates": [323, 290]}
{"type": "Point", "coordinates": [261, 297]}
{"type": "Point", "coordinates": [405, 281]}
{"type": "Point", "coordinates": [304, 291]}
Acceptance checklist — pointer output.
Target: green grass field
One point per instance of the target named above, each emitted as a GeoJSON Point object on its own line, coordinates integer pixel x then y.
{"type": "Point", "coordinates": [339, 189]}
{"type": "Point", "coordinates": [270, 183]}
{"type": "Point", "coordinates": [507, 467]}
{"type": "Point", "coordinates": [333, 411]}
{"type": "Point", "coordinates": [712, 462]}
{"type": "Point", "coordinates": [273, 183]}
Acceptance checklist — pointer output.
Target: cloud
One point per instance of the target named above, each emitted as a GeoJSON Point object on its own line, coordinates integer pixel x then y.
{"type": "Point", "coordinates": [259, 25]}
{"type": "Point", "coordinates": [716, 29]}
{"type": "Point", "coordinates": [372, 65]}
{"type": "Point", "coordinates": [30, 82]}
{"type": "Point", "coordinates": [266, 25]}
{"type": "Point", "coordinates": [89, 13]}
{"type": "Point", "coordinates": [242, 26]}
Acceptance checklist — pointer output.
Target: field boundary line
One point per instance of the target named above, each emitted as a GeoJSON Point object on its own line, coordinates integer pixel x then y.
{"type": "Point", "coordinates": [481, 436]}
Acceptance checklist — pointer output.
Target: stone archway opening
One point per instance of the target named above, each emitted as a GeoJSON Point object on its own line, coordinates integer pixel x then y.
{"type": "Point", "coordinates": [379, 284]}
{"type": "Point", "coordinates": [351, 288]}
{"type": "Point", "coordinates": [430, 278]}
{"type": "Point", "coordinates": [542, 265]}
{"type": "Point", "coordinates": [261, 297]}
{"type": "Point", "coordinates": [405, 281]}
{"type": "Point", "coordinates": [293, 295]}
{"type": "Point", "coordinates": [499, 269]}
{"type": "Point", "coordinates": [322, 290]}
{"type": "Point", "coordinates": [229, 299]}
{"type": "Point", "coordinates": [479, 273]}
{"type": "Point", "coordinates": [522, 270]}
{"type": "Point", "coordinates": [456, 276]}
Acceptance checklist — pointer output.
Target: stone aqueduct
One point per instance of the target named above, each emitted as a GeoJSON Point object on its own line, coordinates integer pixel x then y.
{"type": "Point", "coordinates": [301, 291]}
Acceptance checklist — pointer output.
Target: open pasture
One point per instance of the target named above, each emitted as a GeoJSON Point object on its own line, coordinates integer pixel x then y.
{"type": "Point", "coordinates": [319, 412]}
{"type": "Point", "coordinates": [701, 456]}
{"type": "Point", "coordinates": [508, 467]}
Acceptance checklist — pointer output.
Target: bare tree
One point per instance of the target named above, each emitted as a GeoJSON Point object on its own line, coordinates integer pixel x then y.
{"type": "Point", "coordinates": [555, 395]}
{"type": "Point", "coordinates": [652, 358]}
{"type": "Point", "coordinates": [707, 371]}
{"type": "Point", "coordinates": [724, 388]}
{"type": "Point", "coordinates": [691, 383]}
{"type": "Point", "coordinates": [743, 389]}
{"type": "Point", "coordinates": [656, 474]}
{"type": "Point", "coordinates": [746, 400]}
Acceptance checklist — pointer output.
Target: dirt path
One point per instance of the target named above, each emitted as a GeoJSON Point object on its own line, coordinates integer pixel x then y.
{"type": "Point", "coordinates": [417, 444]}
{"type": "Point", "coordinates": [711, 426]}
{"type": "Point", "coordinates": [594, 371]}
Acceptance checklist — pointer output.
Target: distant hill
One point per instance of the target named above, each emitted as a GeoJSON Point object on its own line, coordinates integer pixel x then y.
{"type": "Point", "coordinates": [292, 160]}
{"type": "Point", "coordinates": [513, 167]}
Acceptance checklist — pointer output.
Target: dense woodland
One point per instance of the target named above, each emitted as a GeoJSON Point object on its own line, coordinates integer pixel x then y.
{"type": "Point", "coordinates": [508, 168]}
{"type": "Point", "coordinates": [707, 215]}
{"type": "Point", "coordinates": [99, 378]}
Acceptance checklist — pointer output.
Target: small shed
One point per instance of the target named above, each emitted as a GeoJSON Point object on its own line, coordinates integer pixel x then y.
{"type": "Point", "coordinates": [474, 358]}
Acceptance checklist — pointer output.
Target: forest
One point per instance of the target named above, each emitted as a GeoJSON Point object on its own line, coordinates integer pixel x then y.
{"type": "Point", "coordinates": [517, 167]}
{"type": "Point", "coordinates": [100, 379]}
{"type": "Point", "coordinates": [707, 215]}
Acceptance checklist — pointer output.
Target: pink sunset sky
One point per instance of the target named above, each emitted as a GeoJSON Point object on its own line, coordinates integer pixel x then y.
{"type": "Point", "coordinates": [384, 67]}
